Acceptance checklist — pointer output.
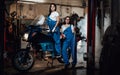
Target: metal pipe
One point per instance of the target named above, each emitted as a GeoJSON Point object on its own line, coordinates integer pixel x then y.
{"type": "Point", "coordinates": [91, 37]}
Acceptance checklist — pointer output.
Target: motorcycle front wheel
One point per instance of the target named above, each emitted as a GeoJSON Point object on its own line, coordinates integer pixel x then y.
{"type": "Point", "coordinates": [23, 61]}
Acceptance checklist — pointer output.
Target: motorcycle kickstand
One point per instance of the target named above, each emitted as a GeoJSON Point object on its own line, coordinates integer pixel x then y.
{"type": "Point", "coordinates": [50, 62]}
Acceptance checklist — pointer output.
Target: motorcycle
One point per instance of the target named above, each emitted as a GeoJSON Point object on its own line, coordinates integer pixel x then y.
{"type": "Point", "coordinates": [39, 41]}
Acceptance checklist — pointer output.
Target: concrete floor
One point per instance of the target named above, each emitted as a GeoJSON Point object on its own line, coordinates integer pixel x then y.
{"type": "Point", "coordinates": [41, 68]}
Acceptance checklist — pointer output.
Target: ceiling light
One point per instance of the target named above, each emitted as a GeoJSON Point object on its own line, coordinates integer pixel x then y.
{"type": "Point", "coordinates": [25, 2]}
{"type": "Point", "coordinates": [37, 1]}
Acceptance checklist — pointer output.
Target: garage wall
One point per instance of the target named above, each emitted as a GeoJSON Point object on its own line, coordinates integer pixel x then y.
{"type": "Point", "coordinates": [66, 11]}
{"type": "Point", "coordinates": [30, 11]}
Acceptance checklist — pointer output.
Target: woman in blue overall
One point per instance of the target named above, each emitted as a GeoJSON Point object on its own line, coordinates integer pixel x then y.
{"type": "Point", "coordinates": [68, 35]}
{"type": "Point", "coordinates": [53, 22]}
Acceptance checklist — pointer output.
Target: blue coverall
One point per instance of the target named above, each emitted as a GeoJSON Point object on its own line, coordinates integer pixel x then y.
{"type": "Point", "coordinates": [69, 42]}
{"type": "Point", "coordinates": [56, 35]}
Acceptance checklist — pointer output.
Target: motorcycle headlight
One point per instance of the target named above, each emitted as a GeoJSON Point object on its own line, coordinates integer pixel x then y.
{"type": "Point", "coordinates": [25, 37]}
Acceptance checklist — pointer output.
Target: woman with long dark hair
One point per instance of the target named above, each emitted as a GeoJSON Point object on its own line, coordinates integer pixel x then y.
{"type": "Point", "coordinates": [53, 24]}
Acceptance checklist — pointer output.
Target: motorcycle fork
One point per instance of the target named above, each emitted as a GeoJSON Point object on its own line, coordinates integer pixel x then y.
{"type": "Point", "coordinates": [27, 50]}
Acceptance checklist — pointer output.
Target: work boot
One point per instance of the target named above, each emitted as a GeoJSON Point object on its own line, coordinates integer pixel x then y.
{"type": "Point", "coordinates": [66, 66]}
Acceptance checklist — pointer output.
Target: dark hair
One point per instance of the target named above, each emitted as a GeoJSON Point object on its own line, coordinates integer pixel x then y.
{"type": "Point", "coordinates": [50, 8]}
{"type": "Point", "coordinates": [65, 19]}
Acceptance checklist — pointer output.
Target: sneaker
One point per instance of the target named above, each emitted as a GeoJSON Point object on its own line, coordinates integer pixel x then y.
{"type": "Point", "coordinates": [58, 56]}
{"type": "Point", "coordinates": [73, 66]}
{"type": "Point", "coordinates": [60, 60]}
{"type": "Point", "coordinates": [66, 66]}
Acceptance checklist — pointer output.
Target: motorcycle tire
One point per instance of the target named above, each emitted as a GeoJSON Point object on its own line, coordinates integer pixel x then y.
{"type": "Point", "coordinates": [21, 62]}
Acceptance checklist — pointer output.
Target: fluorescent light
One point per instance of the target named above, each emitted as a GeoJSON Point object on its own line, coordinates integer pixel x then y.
{"type": "Point", "coordinates": [25, 2]}
{"type": "Point", "coordinates": [37, 1]}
